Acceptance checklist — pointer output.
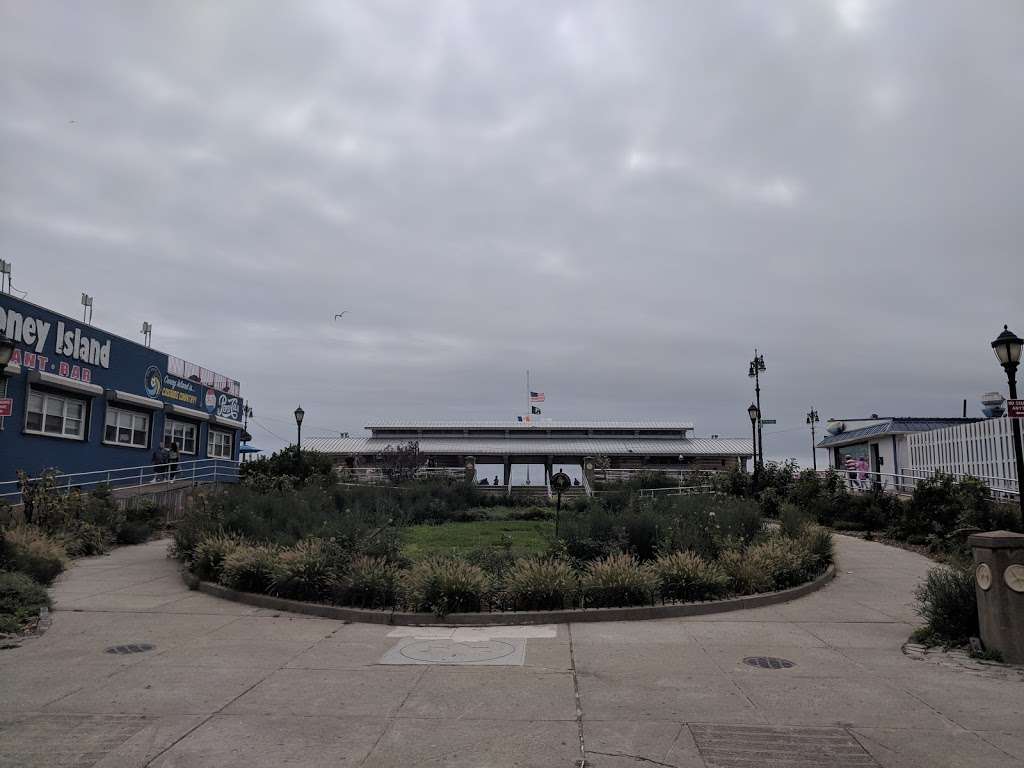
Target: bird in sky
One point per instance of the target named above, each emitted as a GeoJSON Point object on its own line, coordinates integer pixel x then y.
{"type": "Point", "coordinates": [341, 314]}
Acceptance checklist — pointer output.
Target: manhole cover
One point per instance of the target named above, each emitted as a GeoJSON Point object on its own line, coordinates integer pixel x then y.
{"type": "Point", "coordinates": [768, 662]}
{"type": "Point", "coordinates": [743, 746]}
{"type": "Point", "coordinates": [130, 648]}
{"type": "Point", "coordinates": [451, 652]}
{"type": "Point", "coordinates": [444, 650]}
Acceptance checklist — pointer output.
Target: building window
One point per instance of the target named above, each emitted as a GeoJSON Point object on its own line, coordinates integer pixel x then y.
{"type": "Point", "coordinates": [126, 428]}
{"type": "Point", "coordinates": [181, 432]}
{"type": "Point", "coordinates": [55, 415]}
{"type": "Point", "coordinates": [218, 444]}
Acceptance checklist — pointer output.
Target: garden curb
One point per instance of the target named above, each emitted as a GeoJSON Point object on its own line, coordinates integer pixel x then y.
{"type": "Point", "coordinates": [399, 618]}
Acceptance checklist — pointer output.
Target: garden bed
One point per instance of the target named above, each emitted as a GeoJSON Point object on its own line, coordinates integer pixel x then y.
{"type": "Point", "coordinates": [404, 618]}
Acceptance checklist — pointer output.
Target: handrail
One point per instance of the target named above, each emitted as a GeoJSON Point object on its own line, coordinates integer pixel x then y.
{"type": "Point", "coordinates": [904, 484]}
{"type": "Point", "coordinates": [586, 485]}
{"type": "Point", "coordinates": [193, 470]}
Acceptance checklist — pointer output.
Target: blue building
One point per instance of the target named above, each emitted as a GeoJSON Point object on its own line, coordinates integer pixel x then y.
{"type": "Point", "coordinates": [80, 400]}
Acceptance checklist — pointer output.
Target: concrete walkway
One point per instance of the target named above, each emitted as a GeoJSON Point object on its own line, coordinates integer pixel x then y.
{"type": "Point", "coordinates": [229, 685]}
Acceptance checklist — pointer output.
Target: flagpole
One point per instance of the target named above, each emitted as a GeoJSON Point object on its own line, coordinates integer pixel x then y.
{"type": "Point", "coordinates": [526, 417]}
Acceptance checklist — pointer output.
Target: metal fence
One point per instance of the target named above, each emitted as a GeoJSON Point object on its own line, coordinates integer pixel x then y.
{"type": "Point", "coordinates": [151, 477]}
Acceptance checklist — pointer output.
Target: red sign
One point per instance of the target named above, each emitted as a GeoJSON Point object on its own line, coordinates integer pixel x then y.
{"type": "Point", "coordinates": [6, 406]}
{"type": "Point", "coordinates": [1015, 409]}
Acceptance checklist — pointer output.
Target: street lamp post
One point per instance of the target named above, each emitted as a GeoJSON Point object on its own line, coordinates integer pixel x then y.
{"type": "Point", "coordinates": [299, 413]}
{"type": "Point", "coordinates": [812, 419]}
{"type": "Point", "coordinates": [1007, 347]}
{"type": "Point", "coordinates": [756, 368]}
{"type": "Point", "coordinates": [754, 413]}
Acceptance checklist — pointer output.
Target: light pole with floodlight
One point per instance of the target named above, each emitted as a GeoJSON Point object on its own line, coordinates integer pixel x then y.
{"type": "Point", "coordinates": [1007, 347]}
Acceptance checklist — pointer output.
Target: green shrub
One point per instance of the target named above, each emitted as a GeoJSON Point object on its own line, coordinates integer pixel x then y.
{"type": "Point", "coordinates": [541, 585]}
{"type": "Point", "coordinates": [134, 532]}
{"type": "Point", "coordinates": [787, 562]}
{"type": "Point", "coordinates": [617, 580]}
{"type": "Point", "coordinates": [687, 576]}
{"type": "Point", "coordinates": [745, 576]}
{"type": "Point", "coordinates": [493, 560]}
{"type": "Point", "coordinates": [771, 503]}
{"type": "Point", "coordinates": [817, 540]}
{"type": "Point", "coordinates": [948, 603]}
{"type": "Point", "coordinates": [444, 585]}
{"type": "Point", "coordinates": [208, 555]}
{"type": "Point", "coordinates": [20, 600]}
{"type": "Point", "coordinates": [35, 553]}
{"type": "Point", "coordinates": [249, 568]}
{"type": "Point", "coordinates": [84, 539]}
{"type": "Point", "coordinates": [792, 520]}
{"type": "Point", "coordinates": [306, 571]}
{"type": "Point", "coordinates": [371, 582]}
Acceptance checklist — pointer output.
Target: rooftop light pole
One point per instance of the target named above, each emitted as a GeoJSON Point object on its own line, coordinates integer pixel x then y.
{"type": "Point", "coordinates": [299, 414]}
{"type": "Point", "coordinates": [812, 419]}
{"type": "Point", "coordinates": [756, 369]}
{"type": "Point", "coordinates": [754, 413]}
{"type": "Point", "coordinates": [1007, 347]}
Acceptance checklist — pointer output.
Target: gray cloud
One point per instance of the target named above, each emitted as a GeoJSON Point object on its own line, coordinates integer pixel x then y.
{"type": "Point", "coordinates": [624, 198]}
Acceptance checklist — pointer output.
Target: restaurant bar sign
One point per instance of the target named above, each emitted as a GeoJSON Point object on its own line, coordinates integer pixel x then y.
{"type": "Point", "coordinates": [41, 338]}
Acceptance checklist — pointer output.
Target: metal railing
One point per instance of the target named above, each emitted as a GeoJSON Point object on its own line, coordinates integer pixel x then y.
{"type": "Point", "coordinates": [586, 485]}
{"type": "Point", "coordinates": [904, 483]}
{"type": "Point", "coordinates": [625, 475]}
{"type": "Point", "coordinates": [149, 476]}
{"type": "Point", "coordinates": [677, 490]}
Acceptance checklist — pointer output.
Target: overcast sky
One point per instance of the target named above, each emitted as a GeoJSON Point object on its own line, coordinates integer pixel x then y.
{"type": "Point", "coordinates": [624, 198]}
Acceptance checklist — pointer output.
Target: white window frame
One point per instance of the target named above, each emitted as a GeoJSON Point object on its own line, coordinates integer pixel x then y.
{"type": "Point", "coordinates": [215, 440]}
{"type": "Point", "coordinates": [46, 397]}
{"type": "Point", "coordinates": [168, 436]}
{"type": "Point", "coordinates": [120, 414]}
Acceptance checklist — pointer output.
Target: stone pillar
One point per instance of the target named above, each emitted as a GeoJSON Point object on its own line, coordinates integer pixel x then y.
{"type": "Point", "coordinates": [470, 465]}
{"type": "Point", "coordinates": [999, 583]}
{"type": "Point", "coordinates": [508, 470]}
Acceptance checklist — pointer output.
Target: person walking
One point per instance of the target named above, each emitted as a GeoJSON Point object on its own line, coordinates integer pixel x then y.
{"type": "Point", "coordinates": [172, 458]}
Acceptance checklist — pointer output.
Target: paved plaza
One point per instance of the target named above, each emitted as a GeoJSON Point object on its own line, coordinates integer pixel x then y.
{"type": "Point", "coordinates": [230, 685]}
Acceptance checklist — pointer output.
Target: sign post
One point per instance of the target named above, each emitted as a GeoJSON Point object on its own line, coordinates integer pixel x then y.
{"type": "Point", "coordinates": [560, 482]}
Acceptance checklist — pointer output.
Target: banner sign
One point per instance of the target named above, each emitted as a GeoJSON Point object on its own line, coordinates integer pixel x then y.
{"type": "Point", "coordinates": [1015, 409]}
{"type": "Point", "coordinates": [6, 406]}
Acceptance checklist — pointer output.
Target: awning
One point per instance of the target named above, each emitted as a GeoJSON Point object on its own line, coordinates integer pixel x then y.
{"type": "Point", "coordinates": [188, 413]}
{"type": "Point", "coordinates": [118, 396]}
{"type": "Point", "coordinates": [220, 421]}
{"type": "Point", "coordinates": [12, 369]}
{"type": "Point", "coordinates": [63, 382]}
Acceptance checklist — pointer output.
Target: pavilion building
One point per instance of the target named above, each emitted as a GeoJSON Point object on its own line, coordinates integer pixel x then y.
{"type": "Point", "coordinates": [632, 445]}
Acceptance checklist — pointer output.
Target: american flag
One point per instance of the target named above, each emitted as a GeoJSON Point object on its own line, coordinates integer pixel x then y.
{"type": "Point", "coordinates": [536, 397]}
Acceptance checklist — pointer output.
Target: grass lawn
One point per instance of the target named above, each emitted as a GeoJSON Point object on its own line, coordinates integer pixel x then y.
{"type": "Point", "coordinates": [528, 537]}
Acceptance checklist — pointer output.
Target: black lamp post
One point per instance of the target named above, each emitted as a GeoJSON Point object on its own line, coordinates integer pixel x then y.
{"type": "Point", "coordinates": [299, 414]}
{"type": "Point", "coordinates": [757, 367]}
{"type": "Point", "coordinates": [1007, 347]}
{"type": "Point", "coordinates": [753, 412]}
{"type": "Point", "coordinates": [812, 419]}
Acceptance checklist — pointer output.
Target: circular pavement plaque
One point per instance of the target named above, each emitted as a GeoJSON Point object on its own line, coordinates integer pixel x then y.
{"type": "Point", "coordinates": [452, 652]}
{"type": "Point", "coordinates": [983, 575]}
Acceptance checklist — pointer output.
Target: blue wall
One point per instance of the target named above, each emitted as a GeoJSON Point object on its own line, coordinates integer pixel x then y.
{"type": "Point", "coordinates": [113, 363]}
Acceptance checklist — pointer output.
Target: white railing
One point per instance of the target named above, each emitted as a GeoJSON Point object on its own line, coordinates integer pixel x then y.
{"type": "Point", "coordinates": [625, 475]}
{"type": "Point", "coordinates": [447, 473]}
{"type": "Point", "coordinates": [150, 476]}
{"type": "Point", "coordinates": [586, 485]}
{"type": "Point", "coordinates": [677, 490]}
{"type": "Point", "coordinates": [904, 483]}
